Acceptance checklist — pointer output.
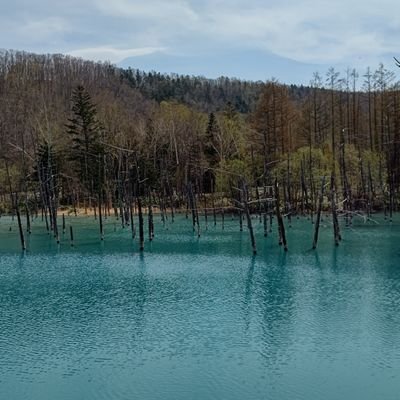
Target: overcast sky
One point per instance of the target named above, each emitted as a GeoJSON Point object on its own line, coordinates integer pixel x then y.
{"type": "Point", "coordinates": [288, 37]}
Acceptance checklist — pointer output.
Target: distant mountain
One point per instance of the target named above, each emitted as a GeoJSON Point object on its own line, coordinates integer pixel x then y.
{"type": "Point", "coordinates": [247, 65]}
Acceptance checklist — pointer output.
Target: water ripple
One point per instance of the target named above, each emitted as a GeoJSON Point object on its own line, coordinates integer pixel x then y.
{"type": "Point", "coordinates": [205, 322]}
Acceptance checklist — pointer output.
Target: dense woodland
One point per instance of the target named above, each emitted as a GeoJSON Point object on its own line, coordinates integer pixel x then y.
{"type": "Point", "coordinates": [78, 136]}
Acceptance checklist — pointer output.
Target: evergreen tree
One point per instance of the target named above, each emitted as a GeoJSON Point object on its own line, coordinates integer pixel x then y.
{"type": "Point", "coordinates": [84, 130]}
{"type": "Point", "coordinates": [211, 152]}
{"type": "Point", "coordinates": [210, 148]}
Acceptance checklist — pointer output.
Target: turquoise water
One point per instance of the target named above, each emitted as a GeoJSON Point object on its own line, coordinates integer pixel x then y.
{"type": "Point", "coordinates": [200, 318]}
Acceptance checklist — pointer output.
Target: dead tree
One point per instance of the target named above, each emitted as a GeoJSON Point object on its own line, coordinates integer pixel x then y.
{"type": "Point", "coordinates": [281, 226]}
{"type": "Point", "coordinates": [317, 223]}
{"type": "Point", "coordinates": [336, 229]}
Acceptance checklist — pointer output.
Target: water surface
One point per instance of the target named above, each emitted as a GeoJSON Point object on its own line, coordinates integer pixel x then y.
{"type": "Point", "coordinates": [200, 318]}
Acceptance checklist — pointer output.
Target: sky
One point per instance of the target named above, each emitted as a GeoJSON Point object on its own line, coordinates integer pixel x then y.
{"type": "Point", "coordinates": [252, 39]}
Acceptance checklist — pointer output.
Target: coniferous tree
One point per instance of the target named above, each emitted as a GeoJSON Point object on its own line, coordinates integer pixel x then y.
{"type": "Point", "coordinates": [211, 152]}
{"type": "Point", "coordinates": [84, 129]}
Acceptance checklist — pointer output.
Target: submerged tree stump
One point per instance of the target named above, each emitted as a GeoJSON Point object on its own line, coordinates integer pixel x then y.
{"type": "Point", "coordinates": [141, 222]}
{"type": "Point", "coordinates": [71, 235]}
{"type": "Point", "coordinates": [21, 231]}
{"type": "Point", "coordinates": [320, 200]}
{"type": "Point", "coordinates": [245, 198]}
{"type": "Point", "coordinates": [336, 229]}
{"type": "Point", "coordinates": [281, 226]}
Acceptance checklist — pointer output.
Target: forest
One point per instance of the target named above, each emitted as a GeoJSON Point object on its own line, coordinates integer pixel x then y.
{"type": "Point", "coordinates": [78, 137]}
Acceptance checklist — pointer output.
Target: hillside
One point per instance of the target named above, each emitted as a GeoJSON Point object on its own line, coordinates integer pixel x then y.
{"type": "Point", "coordinates": [98, 130]}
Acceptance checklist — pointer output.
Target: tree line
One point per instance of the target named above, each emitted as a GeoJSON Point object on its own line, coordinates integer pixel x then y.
{"type": "Point", "coordinates": [87, 135]}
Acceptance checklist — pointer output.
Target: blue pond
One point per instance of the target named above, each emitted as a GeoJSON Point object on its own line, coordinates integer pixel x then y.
{"type": "Point", "coordinates": [200, 318]}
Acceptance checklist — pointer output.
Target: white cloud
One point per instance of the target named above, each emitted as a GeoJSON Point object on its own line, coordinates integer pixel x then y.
{"type": "Point", "coordinates": [114, 55]}
{"type": "Point", "coordinates": [43, 28]}
{"type": "Point", "coordinates": [309, 31]}
{"type": "Point", "coordinates": [155, 10]}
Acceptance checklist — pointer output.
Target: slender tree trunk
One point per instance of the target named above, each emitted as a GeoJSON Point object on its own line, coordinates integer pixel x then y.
{"type": "Point", "coordinates": [281, 226]}
{"type": "Point", "coordinates": [336, 229]}
{"type": "Point", "coordinates": [245, 196]}
{"type": "Point", "coordinates": [71, 235]}
{"type": "Point", "coordinates": [101, 219]}
{"type": "Point", "coordinates": [141, 222]}
{"type": "Point", "coordinates": [317, 223]}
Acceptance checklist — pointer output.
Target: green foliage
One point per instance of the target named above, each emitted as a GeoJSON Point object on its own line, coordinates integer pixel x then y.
{"type": "Point", "coordinates": [211, 137]}
{"type": "Point", "coordinates": [300, 162]}
{"type": "Point", "coordinates": [47, 164]}
{"type": "Point", "coordinates": [233, 135]}
{"type": "Point", "coordinates": [180, 129]}
{"type": "Point", "coordinates": [374, 168]}
{"type": "Point", "coordinates": [352, 165]}
{"type": "Point", "coordinates": [229, 172]}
